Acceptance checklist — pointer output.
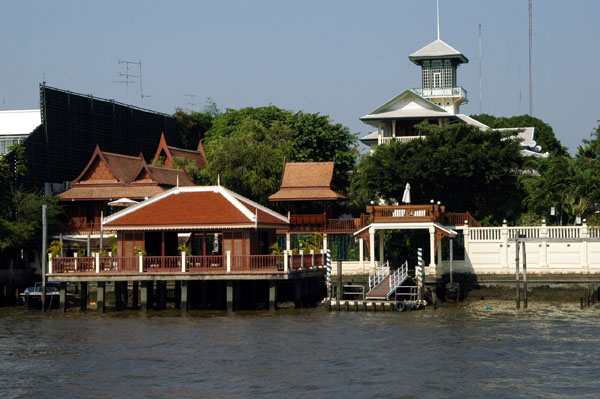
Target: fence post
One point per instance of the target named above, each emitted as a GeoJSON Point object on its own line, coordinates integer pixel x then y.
{"type": "Point", "coordinates": [312, 258]}
{"type": "Point", "coordinates": [141, 264]}
{"type": "Point", "coordinates": [49, 263]}
{"type": "Point", "coordinates": [97, 261]}
{"type": "Point", "coordinates": [544, 249]}
{"type": "Point", "coordinates": [466, 239]}
{"type": "Point", "coordinates": [183, 261]}
{"type": "Point", "coordinates": [504, 252]}
{"type": "Point", "coordinates": [228, 257]}
{"type": "Point", "coordinates": [285, 261]}
{"type": "Point", "coordinates": [585, 266]}
{"type": "Point", "coordinates": [301, 259]}
{"type": "Point", "coordinates": [75, 262]}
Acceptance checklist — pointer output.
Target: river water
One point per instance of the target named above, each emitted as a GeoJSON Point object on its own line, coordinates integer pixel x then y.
{"type": "Point", "coordinates": [461, 350]}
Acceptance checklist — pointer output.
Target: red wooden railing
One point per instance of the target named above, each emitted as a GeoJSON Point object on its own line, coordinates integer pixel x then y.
{"type": "Point", "coordinates": [80, 264]}
{"type": "Point", "coordinates": [119, 264]}
{"type": "Point", "coordinates": [81, 228]}
{"type": "Point", "coordinates": [257, 262]}
{"type": "Point", "coordinates": [458, 219]}
{"type": "Point", "coordinates": [210, 263]}
{"type": "Point", "coordinates": [162, 263]}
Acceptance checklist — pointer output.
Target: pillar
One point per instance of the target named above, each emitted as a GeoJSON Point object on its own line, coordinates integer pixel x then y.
{"type": "Point", "coordinates": [184, 295]}
{"type": "Point", "coordinates": [272, 295]}
{"type": "Point", "coordinates": [118, 295]}
{"type": "Point", "coordinates": [135, 295]}
{"type": "Point", "coordinates": [288, 242]}
{"type": "Point", "coordinates": [381, 245]}
{"type": "Point", "coordinates": [63, 296]}
{"type": "Point", "coordinates": [178, 294]}
{"type": "Point", "coordinates": [100, 291]}
{"type": "Point", "coordinates": [298, 294]}
{"type": "Point", "coordinates": [361, 253]}
{"type": "Point", "coordinates": [144, 299]}
{"type": "Point", "coordinates": [204, 294]}
{"type": "Point", "coordinates": [432, 247]}
{"type": "Point", "coordinates": [372, 247]}
{"type": "Point", "coordinates": [83, 295]}
{"type": "Point", "coordinates": [325, 244]}
{"type": "Point", "coordinates": [161, 294]}
{"type": "Point", "coordinates": [229, 295]}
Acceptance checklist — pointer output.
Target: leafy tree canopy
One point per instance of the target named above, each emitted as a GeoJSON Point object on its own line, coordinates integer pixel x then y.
{"type": "Point", "coordinates": [193, 125]}
{"type": "Point", "coordinates": [247, 148]}
{"type": "Point", "coordinates": [461, 166]}
{"type": "Point", "coordinates": [544, 135]}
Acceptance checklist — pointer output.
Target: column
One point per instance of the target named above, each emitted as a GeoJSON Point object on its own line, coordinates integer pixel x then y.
{"type": "Point", "coordinates": [466, 239]}
{"type": "Point", "coordinates": [288, 242]}
{"type": "Point", "coordinates": [63, 297]}
{"type": "Point", "coordinates": [229, 294]}
{"type": "Point", "coordinates": [432, 247]}
{"type": "Point", "coordinates": [504, 247]}
{"type": "Point", "coordinates": [298, 294]}
{"type": "Point", "coordinates": [325, 245]}
{"type": "Point", "coordinates": [272, 295]}
{"type": "Point", "coordinates": [177, 294]}
{"type": "Point", "coordinates": [135, 295]}
{"type": "Point", "coordinates": [118, 295]}
{"type": "Point", "coordinates": [372, 248]}
{"type": "Point", "coordinates": [83, 295]}
{"type": "Point", "coordinates": [584, 247]}
{"type": "Point", "coordinates": [381, 245]}
{"type": "Point", "coordinates": [361, 254]}
{"type": "Point", "coordinates": [146, 305]}
{"type": "Point", "coordinates": [184, 295]}
{"type": "Point", "coordinates": [100, 291]}
{"type": "Point", "coordinates": [161, 293]}
{"type": "Point", "coordinates": [544, 248]}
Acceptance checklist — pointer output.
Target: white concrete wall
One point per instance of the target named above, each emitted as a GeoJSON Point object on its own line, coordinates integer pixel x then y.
{"type": "Point", "coordinates": [560, 250]}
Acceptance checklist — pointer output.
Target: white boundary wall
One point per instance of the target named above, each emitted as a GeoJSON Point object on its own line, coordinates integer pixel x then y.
{"type": "Point", "coordinates": [561, 250]}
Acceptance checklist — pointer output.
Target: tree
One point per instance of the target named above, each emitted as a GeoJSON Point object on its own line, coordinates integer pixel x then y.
{"type": "Point", "coordinates": [544, 134]}
{"type": "Point", "coordinates": [193, 125]}
{"type": "Point", "coordinates": [461, 166]}
{"type": "Point", "coordinates": [247, 148]}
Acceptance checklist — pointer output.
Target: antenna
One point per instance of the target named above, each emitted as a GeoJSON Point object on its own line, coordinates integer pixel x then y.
{"type": "Point", "coordinates": [191, 96]}
{"type": "Point", "coordinates": [437, 7]}
{"type": "Point", "coordinates": [480, 86]}
{"type": "Point", "coordinates": [129, 75]}
{"type": "Point", "coordinates": [530, 60]}
{"type": "Point", "coordinates": [520, 96]}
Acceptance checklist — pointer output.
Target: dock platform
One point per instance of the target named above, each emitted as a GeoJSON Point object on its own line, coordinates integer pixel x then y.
{"type": "Point", "coordinates": [373, 305]}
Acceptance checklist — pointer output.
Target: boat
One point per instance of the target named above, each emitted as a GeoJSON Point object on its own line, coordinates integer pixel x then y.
{"type": "Point", "coordinates": [35, 295]}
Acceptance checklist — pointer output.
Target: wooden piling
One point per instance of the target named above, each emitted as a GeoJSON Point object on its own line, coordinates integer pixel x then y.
{"type": "Point", "coordinates": [517, 282]}
{"type": "Point", "coordinates": [524, 276]}
{"type": "Point", "coordinates": [229, 295]}
{"type": "Point", "coordinates": [100, 294]}
{"type": "Point", "coordinates": [144, 300]}
{"type": "Point", "coordinates": [135, 295]}
{"type": "Point", "coordinates": [273, 295]}
{"type": "Point", "coordinates": [183, 297]}
{"type": "Point", "coordinates": [83, 295]}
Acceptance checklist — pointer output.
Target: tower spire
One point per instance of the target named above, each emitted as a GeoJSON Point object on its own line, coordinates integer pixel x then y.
{"type": "Point", "coordinates": [437, 9]}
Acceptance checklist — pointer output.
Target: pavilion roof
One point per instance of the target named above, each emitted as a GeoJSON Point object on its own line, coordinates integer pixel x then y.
{"type": "Point", "coordinates": [208, 207]}
{"type": "Point", "coordinates": [437, 49]}
{"type": "Point", "coordinates": [307, 181]}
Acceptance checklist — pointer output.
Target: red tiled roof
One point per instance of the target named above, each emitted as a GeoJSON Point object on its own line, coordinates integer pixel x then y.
{"type": "Point", "coordinates": [125, 167]}
{"type": "Point", "coordinates": [198, 156]}
{"type": "Point", "coordinates": [307, 181]}
{"type": "Point", "coordinates": [196, 207]}
{"type": "Point", "coordinates": [108, 192]}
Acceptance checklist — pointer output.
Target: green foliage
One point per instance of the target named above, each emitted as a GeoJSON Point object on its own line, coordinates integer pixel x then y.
{"type": "Point", "coordinates": [55, 248]}
{"type": "Point", "coordinates": [81, 251]}
{"type": "Point", "coordinates": [192, 126]}
{"type": "Point", "coordinates": [276, 249]}
{"type": "Point", "coordinates": [461, 166]}
{"type": "Point", "coordinates": [313, 242]}
{"type": "Point", "coordinates": [247, 148]}
{"type": "Point", "coordinates": [544, 134]}
{"type": "Point", "coordinates": [160, 161]}
{"type": "Point", "coordinates": [184, 247]}
{"type": "Point", "coordinates": [190, 168]}
{"type": "Point", "coordinates": [140, 251]}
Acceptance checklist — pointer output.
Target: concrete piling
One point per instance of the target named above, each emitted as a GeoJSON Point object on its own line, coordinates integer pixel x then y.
{"type": "Point", "coordinates": [83, 295]}
{"type": "Point", "coordinates": [100, 296]}
{"type": "Point", "coordinates": [183, 296]}
{"type": "Point", "coordinates": [272, 295]}
{"type": "Point", "coordinates": [229, 295]}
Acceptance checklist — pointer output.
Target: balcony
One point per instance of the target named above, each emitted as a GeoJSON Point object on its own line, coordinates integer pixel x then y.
{"type": "Point", "coordinates": [319, 223]}
{"type": "Point", "coordinates": [403, 139]}
{"type": "Point", "coordinates": [439, 92]}
{"type": "Point", "coordinates": [405, 213]}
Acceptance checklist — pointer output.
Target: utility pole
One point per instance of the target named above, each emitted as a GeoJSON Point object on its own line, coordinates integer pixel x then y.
{"type": "Point", "coordinates": [480, 85]}
{"type": "Point", "coordinates": [530, 60]}
{"type": "Point", "coordinates": [191, 96]}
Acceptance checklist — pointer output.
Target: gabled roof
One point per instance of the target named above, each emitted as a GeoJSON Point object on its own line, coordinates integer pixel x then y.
{"type": "Point", "coordinates": [195, 208]}
{"type": "Point", "coordinates": [437, 49]}
{"type": "Point", "coordinates": [109, 192]}
{"type": "Point", "coordinates": [123, 168]}
{"type": "Point", "coordinates": [198, 156]}
{"type": "Point", "coordinates": [407, 105]}
{"type": "Point", "coordinates": [163, 176]}
{"type": "Point", "coordinates": [307, 181]}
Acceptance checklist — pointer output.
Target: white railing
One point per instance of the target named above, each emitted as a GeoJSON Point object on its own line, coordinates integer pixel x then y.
{"type": "Point", "coordinates": [485, 233]}
{"type": "Point", "coordinates": [402, 139]}
{"type": "Point", "coordinates": [523, 232]}
{"type": "Point", "coordinates": [398, 276]}
{"type": "Point", "coordinates": [441, 92]}
{"type": "Point", "coordinates": [564, 232]}
{"type": "Point", "coordinates": [379, 274]}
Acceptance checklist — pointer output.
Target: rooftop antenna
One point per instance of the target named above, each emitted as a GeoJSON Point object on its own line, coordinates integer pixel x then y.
{"type": "Point", "coordinates": [480, 86]}
{"type": "Point", "coordinates": [191, 96]}
{"type": "Point", "coordinates": [142, 95]}
{"type": "Point", "coordinates": [437, 7]}
{"type": "Point", "coordinates": [128, 75]}
{"type": "Point", "coordinates": [520, 95]}
{"type": "Point", "coordinates": [530, 61]}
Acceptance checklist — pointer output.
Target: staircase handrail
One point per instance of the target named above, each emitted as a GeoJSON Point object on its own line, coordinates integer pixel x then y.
{"type": "Point", "coordinates": [398, 276]}
{"type": "Point", "coordinates": [379, 274]}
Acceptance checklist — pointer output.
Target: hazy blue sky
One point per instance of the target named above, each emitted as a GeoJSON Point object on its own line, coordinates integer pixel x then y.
{"type": "Point", "coordinates": [339, 58]}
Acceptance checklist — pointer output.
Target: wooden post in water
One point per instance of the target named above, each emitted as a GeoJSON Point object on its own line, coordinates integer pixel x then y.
{"type": "Point", "coordinates": [451, 257]}
{"type": "Point", "coordinates": [339, 278]}
{"type": "Point", "coordinates": [517, 282]}
{"type": "Point", "coordinates": [524, 276]}
{"type": "Point", "coordinates": [83, 295]}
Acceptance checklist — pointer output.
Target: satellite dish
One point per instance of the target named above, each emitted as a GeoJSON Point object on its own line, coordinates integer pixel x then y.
{"type": "Point", "coordinates": [532, 144]}
{"type": "Point", "coordinates": [537, 148]}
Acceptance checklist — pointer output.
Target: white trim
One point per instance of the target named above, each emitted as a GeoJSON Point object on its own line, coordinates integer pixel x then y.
{"type": "Point", "coordinates": [406, 226]}
{"type": "Point", "coordinates": [258, 206]}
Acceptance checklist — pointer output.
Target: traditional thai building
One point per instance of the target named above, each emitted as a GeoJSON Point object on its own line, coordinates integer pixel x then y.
{"type": "Point", "coordinates": [165, 154]}
{"type": "Point", "coordinates": [108, 177]}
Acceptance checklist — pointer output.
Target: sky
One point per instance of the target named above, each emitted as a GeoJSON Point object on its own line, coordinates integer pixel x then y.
{"type": "Point", "coordinates": [342, 58]}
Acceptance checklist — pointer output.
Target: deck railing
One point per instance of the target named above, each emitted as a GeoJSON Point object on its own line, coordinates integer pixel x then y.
{"type": "Point", "coordinates": [279, 263]}
{"type": "Point", "coordinates": [82, 228]}
{"type": "Point", "coordinates": [533, 232]}
{"type": "Point", "coordinates": [405, 213]}
{"type": "Point", "coordinates": [320, 223]}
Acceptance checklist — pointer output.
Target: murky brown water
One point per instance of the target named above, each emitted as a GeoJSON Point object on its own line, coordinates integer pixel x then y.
{"type": "Point", "coordinates": [550, 350]}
